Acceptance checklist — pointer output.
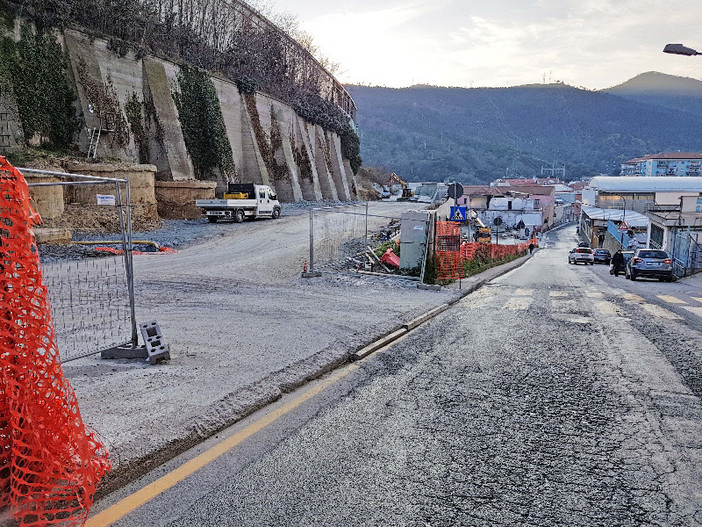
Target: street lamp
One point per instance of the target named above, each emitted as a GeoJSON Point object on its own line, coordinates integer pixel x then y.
{"type": "Point", "coordinates": [679, 49]}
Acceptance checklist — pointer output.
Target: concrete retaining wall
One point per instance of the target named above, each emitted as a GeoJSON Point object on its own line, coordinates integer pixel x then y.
{"type": "Point", "coordinates": [301, 161]}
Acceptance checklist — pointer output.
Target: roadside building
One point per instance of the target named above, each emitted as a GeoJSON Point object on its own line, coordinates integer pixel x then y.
{"type": "Point", "coordinates": [601, 228]}
{"type": "Point", "coordinates": [677, 229]}
{"type": "Point", "coordinates": [666, 164]}
{"type": "Point", "coordinates": [639, 193]}
{"type": "Point", "coordinates": [517, 182]}
{"type": "Point", "coordinates": [513, 206]}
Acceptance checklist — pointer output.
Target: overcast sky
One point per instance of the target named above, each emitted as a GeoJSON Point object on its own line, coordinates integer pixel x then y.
{"type": "Point", "coordinates": [590, 43]}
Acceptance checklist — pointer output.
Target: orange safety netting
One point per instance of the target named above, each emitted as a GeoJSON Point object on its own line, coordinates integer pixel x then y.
{"type": "Point", "coordinates": [452, 252]}
{"type": "Point", "coordinates": [50, 463]}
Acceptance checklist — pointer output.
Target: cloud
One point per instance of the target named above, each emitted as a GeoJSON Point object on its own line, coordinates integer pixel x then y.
{"type": "Point", "coordinates": [597, 43]}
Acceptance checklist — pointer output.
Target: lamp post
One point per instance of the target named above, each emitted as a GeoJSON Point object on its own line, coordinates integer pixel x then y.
{"type": "Point", "coordinates": [679, 49]}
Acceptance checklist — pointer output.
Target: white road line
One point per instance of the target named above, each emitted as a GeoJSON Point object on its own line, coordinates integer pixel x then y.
{"type": "Point", "coordinates": [524, 292]}
{"type": "Point", "coordinates": [696, 298]}
{"type": "Point", "coordinates": [658, 311]}
{"type": "Point", "coordinates": [631, 297]}
{"type": "Point", "coordinates": [696, 310]}
{"type": "Point", "coordinates": [606, 308]}
{"type": "Point", "coordinates": [519, 303]}
{"type": "Point", "coordinates": [594, 294]}
{"type": "Point", "coordinates": [671, 299]}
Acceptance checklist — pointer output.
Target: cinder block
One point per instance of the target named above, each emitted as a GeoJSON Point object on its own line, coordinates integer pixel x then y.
{"type": "Point", "coordinates": [156, 348]}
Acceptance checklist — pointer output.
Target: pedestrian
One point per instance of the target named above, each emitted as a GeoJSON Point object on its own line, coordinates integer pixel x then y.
{"type": "Point", "coordinates": [531, 248]}
{"type": "Point", "coordinates": [617, 262]}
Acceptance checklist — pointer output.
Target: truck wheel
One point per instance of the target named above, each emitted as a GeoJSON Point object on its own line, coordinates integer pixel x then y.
{"type": "Point", "coordinates": [212, 219]}
{"type": "Point", "coordinates": [276, 213]}
{"type": "Point", "coordinates": [239, 216]}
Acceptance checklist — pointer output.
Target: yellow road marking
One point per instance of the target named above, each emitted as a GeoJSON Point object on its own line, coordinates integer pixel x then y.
{"type": "Point", "coordinates": [696, 310]}
{"type": "Point", "coordinates": [660, 312]}
{"type": "Point", "coordinates": [696, 298]}
{"type": "Point", "coordinates": [140, 497]}
{"type": "Point", "coordinates": [606, 308]}
{"type": "Point", "coordinates": [594, 294]}
{"type": "Point", "coordinates": [519, 303]}
{"type": "Point", "coordinates": [671, 299]}
{"type": "Point", "coordinates": [524, 292]}
{"type": "Point", "coordinates": [633, 298]}
{"type": "Point", "coordinates": [558, 293]}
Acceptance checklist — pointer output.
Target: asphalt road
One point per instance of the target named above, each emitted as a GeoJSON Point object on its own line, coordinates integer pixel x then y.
{"type": "Point", "coordinates": [556, 395]}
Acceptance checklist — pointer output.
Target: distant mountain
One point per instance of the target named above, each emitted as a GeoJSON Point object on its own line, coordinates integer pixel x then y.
{"type": "Point", "coordinates": [668, 91]}
{"type": "Point", "coordinates": [476, 135]}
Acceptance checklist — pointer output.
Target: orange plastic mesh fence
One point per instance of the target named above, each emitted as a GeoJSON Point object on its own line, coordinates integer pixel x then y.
{"type": "Point", "coordinates": [451, 253]}
{"type": "Point", "coordinates": [449, 265]}
{"type": "Point", "coordinates": [50, 463]}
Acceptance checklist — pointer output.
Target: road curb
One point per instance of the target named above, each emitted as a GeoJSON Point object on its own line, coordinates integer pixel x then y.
{"type": "Point", "coordinates": [375, 346]}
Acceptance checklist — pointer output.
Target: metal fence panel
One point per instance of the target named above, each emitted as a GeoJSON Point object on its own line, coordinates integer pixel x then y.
{"type": "Point", "coordinates": [90, 285]}
{"type": "Point", "coordinates": [338, 235]}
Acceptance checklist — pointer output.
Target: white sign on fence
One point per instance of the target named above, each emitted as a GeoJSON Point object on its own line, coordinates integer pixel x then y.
{"type": "Point", "coordinates": [106, 199]}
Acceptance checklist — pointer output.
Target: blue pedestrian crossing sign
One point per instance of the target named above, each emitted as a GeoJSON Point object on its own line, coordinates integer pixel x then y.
{"type": "Point", "coordinates": [459, 213]}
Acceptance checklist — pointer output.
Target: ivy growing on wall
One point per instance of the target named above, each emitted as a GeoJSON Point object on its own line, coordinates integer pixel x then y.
{"type": "Point", "coordinates": [203, 125]}
{"type": "Point", "coordinates": [329, 116]}
{"type": "Point", "coordinates": [134, 110]}
{"type": "Point", "coordinates": [266, 145]}
{"type": "Point", "coordinates": [35, 70]}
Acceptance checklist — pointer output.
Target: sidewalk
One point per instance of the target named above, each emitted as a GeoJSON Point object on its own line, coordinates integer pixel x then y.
{"type": "Point", "coordinates": [149, 414]}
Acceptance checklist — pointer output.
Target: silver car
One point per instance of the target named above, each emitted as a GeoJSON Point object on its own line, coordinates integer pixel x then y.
{"type": "Point", "coordinates": [651, 263]}
{"type": "Point", "coordinates": [581, 255]}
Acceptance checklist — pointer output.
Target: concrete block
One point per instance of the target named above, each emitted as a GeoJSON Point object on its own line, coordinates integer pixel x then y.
{"type": "Point", "coordinates": [125, 351]}
{"type": "Point", "coordinates": [47, 235]}
{"type": "Point", "coordinates": [156, 347]}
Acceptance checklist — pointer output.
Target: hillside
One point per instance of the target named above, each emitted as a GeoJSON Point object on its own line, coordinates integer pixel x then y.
{"type": "Point", "coordinates": [668, 91]}
{"type": "Point", "coordinates": [476, 135]}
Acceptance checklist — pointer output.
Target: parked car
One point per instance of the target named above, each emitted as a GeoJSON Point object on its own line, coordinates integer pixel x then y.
{"type": "Point", "coordinates": [583, 244]}
{"type": "Point", "coordinates": [603, 256]}
{"type": "Point", "coordinates": [650, 263]}
{"type": "Point", "coordinates": [581, 254]}
{"type": "Point", "coordinates": [627, 256]}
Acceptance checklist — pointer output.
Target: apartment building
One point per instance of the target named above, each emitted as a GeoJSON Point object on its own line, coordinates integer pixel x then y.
{"type": "Point", "coordinates": [681, 164]}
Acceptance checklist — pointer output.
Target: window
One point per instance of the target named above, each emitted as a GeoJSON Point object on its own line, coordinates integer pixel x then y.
{"type": "Point", "coordinates": [4, 116]}
{"type": "Point", "coordinates": [4, 140]}
{"type": "Point", "coordinates": [509, 205]}
{"type": "Point", "coordinates": [537, 203]}
{"type": "Point", "coordinates": [656, 236]}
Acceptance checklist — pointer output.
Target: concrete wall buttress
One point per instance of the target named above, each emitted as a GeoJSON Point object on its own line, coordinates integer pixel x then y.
{"type": "Point", "coordinates": [230, 104]}
{"type": "Point", "coordinates": [323, 162]}
{"type": "Point", "coordinates": [179, 164]}
{"type": "Point", "coordinates": [255, 170]}
{"type": "Point", "coordinates": [303, 137]}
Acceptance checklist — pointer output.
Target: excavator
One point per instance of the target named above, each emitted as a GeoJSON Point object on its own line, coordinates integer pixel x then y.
{"type": "Point", "coordinates": [483, 234]}
{"type": "Point", "coordinates": [406, 191]}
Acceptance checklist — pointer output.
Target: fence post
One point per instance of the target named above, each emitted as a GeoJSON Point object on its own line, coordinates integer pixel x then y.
{"type": "Point", "coordinates": [127, 250]}
{"type": "Point", "coordinates": [366, 239]}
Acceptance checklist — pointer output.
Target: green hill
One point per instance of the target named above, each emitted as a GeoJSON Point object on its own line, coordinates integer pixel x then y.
{"type": "Point", "coordinates": [476, 135]}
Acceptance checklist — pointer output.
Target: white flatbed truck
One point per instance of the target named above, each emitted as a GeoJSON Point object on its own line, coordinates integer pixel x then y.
{"type": "Point", "coordinates": [242, 201]}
